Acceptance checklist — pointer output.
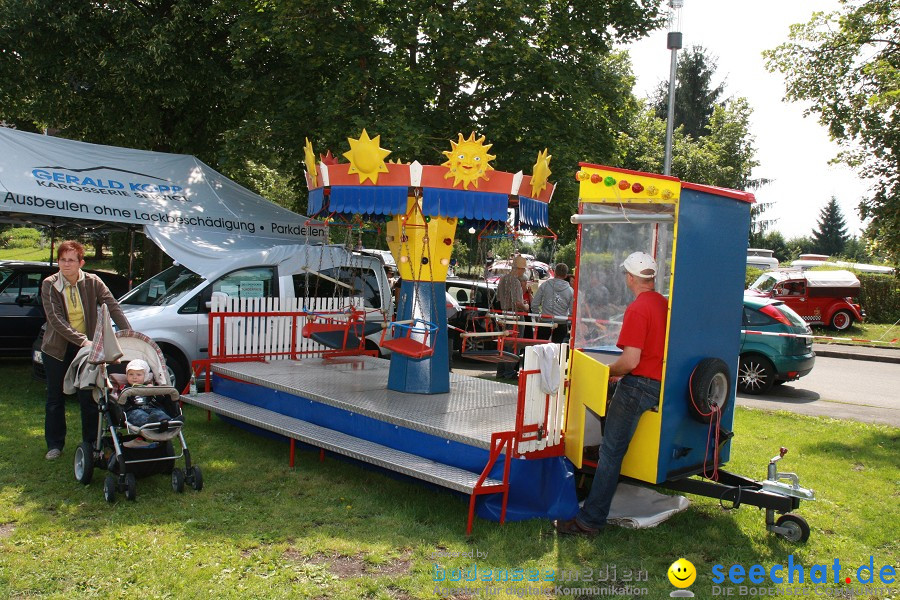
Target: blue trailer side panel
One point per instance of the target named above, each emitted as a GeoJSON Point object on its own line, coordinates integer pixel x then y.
{"type": "Point", "coordinates": [706, 308]}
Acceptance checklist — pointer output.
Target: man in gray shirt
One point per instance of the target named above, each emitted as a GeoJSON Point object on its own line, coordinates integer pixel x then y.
{"type": "Point", "coordinates": [554, 298]}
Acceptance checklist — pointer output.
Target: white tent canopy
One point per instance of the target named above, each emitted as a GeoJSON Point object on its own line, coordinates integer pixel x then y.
{"type": "Point", "coordinates": [186, 207]}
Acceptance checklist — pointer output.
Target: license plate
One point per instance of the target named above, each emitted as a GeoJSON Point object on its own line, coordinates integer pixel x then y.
{"type": "Point", "coordinates": [38, 357]}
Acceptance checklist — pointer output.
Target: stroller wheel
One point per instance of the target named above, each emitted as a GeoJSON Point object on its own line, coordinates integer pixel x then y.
{"type": "Point", "coordinates": [177, 480]}
{"type": "Point", "coordinates": [195, 477]}
{"type": "Point", "coordinates": [109, 488]}
{"type": "Point", "coordinates": [84, 463]}
{"type": "Point", "coordinates": [130, 487]}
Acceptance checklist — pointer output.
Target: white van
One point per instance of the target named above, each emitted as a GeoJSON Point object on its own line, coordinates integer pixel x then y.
{"type": "Point", "coordinates": [172, 307]}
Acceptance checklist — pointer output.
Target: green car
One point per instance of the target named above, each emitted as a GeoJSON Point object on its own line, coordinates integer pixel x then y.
{"type": "Point", "coordinates": [768, 360]}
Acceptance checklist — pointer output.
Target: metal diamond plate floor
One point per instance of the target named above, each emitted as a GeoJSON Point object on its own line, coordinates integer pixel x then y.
{"type": "Point", "coordinates": [472, 410]}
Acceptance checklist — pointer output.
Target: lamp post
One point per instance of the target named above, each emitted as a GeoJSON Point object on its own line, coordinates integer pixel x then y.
{"type": "Point", "coordinates": [673, 42]}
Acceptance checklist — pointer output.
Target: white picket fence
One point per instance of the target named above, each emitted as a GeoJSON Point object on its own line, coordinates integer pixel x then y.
{"type": "Point", "coordinates": [265, 332]}
{"type": "Point", "coordinates": [543, 410]}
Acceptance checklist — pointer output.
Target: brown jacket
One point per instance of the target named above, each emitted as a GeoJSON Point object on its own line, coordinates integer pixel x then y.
{"type": "Point", "coordinates": [59, 333]}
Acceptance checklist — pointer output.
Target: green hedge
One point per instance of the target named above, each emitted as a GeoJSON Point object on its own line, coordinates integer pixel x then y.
{"type": "Point", "coordinates": [879, 296]}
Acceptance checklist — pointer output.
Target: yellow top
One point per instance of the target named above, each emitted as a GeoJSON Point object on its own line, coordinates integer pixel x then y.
{"type": "Point", "coordinates": [74, 308]}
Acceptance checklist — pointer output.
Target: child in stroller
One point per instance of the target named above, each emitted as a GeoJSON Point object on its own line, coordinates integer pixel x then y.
{"type": "Point", "coordinates": [141, 411]}
{"type": "Point", "coordinates": [139, 418]}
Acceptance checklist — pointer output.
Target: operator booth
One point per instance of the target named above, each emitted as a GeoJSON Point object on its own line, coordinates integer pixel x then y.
{"type": "Point", "coordinates": [697, 236]}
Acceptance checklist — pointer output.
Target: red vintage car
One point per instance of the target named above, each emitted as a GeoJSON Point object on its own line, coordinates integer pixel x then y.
{"type": "Point", "coordinates": [819, 297]}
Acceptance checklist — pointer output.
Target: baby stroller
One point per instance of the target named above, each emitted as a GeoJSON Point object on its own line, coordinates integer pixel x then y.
{"type": "Point", "coordinates": [128, 451]}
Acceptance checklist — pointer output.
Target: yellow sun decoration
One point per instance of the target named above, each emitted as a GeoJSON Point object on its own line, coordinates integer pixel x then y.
{"type": "Point", "coordinates": [468, 161]}
{"type": "Point", "coordinates": [310, 160]}
{"type": "Point", "coordinates": [539, 173]}
{"type": "Point", "coordinates": [366, 157]}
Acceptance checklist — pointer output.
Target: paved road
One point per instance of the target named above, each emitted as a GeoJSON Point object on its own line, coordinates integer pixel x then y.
{"type": "Point", "coordinates": [843, 388]}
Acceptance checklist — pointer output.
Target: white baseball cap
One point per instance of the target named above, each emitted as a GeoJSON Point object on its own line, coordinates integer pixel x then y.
{"type": "Point", "coordinates": [640, 264]}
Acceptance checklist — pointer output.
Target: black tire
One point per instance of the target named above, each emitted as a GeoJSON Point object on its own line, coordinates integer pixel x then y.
{"type": "Point", "coordinates": [109, 488]}
{"type": "Point", "coordinates": [798, 528]}
{"type": "Point", "coordinates": [841, 320]}
{"type": "Point", "coordinates": [177, 480]}
{"type": "Point", "coordinates": [84, 463]}
{"type": "Point", "coordinates": [179, 372]}
{"type": "Point", "coordinates": [756, 374]}
{"type": "Point", "coordinates": [710, 391]}
{"type": "Point", "coordinates": [195, 477]}
{"type": "Point", "coordinates": [130, 487]}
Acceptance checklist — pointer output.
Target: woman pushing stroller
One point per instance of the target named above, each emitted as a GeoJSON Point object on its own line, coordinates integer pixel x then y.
{"type": "Point", "coordinates": [71, 298]}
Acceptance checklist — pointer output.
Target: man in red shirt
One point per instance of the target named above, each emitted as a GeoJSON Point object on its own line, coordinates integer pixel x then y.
{"type": "Point", "coordinates": [642, 340]}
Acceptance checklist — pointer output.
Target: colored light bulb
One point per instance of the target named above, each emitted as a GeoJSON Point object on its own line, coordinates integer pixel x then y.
{"type": "Point", "coordinates": [624, 185]}
{"type": "Point", "coordinates": [609, 181]}
{"type": "Point", "coordinates": [637, 188]}
{"type": "Point", "coordinates": [595, 178]}
{"type": "Point", "coordinates": [652, 190]}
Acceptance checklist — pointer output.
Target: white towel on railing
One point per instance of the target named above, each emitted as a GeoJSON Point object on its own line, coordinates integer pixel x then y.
{"type": "Point", "coordinates": [548, 361]}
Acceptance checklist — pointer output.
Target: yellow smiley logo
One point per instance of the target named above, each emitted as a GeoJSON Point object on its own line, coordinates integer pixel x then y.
{"type": "Point", "coordinates": [682, 573]}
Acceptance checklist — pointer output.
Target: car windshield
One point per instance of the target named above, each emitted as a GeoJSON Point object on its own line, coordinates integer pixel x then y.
{"type": "Point", "coordinates": [165, 288]}
{"type": "Point", "coordinates": [765, 283]}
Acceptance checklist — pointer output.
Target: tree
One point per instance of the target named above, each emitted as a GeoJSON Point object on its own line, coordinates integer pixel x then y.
{"type": "Point", "coordinates": [695, 96]}
{"type": "Point", "coordinates": [775, 242]}
{"type": "Point", "coordinates": [831, 235]}
{"type": "Point", "coordinates": [725, 157]}
{"type": "Point", "coordinates": [799, 245]}
{"type": "Point", "coordinates": [241, 84]}
{"type": "Point", "coordinates": [846, 66]}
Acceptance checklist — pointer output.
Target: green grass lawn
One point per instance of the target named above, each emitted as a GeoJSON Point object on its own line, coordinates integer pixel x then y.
{"type": "Point", "coordinates": [336, 530]}
{"type": "Point", "coordinates": [863, 331]}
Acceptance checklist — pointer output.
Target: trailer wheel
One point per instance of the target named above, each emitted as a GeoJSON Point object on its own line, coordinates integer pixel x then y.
{"type": "Point", "coordinates": [797, 528]}
{"type": "Point", "coordinates": [710, 389]}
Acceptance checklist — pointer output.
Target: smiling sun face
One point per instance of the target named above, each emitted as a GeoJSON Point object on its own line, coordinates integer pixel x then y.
{"type": "Point", "coordinates": [539, 173]}
{"type": "Point", "coordinates": [310, 160]}
{"type": "Point", "coordinates": [366, 157]}
{"type": "Point", "coordinates": [468, 161]}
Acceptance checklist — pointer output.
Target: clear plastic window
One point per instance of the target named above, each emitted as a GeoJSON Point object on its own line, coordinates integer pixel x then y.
{"type": "Point", "coordinates": [602, 291]}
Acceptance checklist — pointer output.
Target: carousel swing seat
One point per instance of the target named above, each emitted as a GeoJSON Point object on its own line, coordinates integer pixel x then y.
{"type": "Point", "coordinates": [490, 352]}
{"type": "Point", "coordinates": [413, 338]}
{"type": "Point", "coordinates": [343, 331]}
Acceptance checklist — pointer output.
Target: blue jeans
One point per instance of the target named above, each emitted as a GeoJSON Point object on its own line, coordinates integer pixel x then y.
{"type": "Point", "coordinates": [55, 412]}
{"type": "Point", "coordinates": [146, 414]}
{"type": "Point", "coordinates": [634, 396]}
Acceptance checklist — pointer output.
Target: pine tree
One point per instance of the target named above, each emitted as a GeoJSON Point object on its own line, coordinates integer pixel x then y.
{"type": "Point", "coordinates": [695, 95]}
{"type": "Point", "coordinates": [831, 236]}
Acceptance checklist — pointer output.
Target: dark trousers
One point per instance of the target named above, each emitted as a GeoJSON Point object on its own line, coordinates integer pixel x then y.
{"type": "Point", "coordinates": [55, 414]}
{"type": "Point", "coordinates": [557, 334]}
